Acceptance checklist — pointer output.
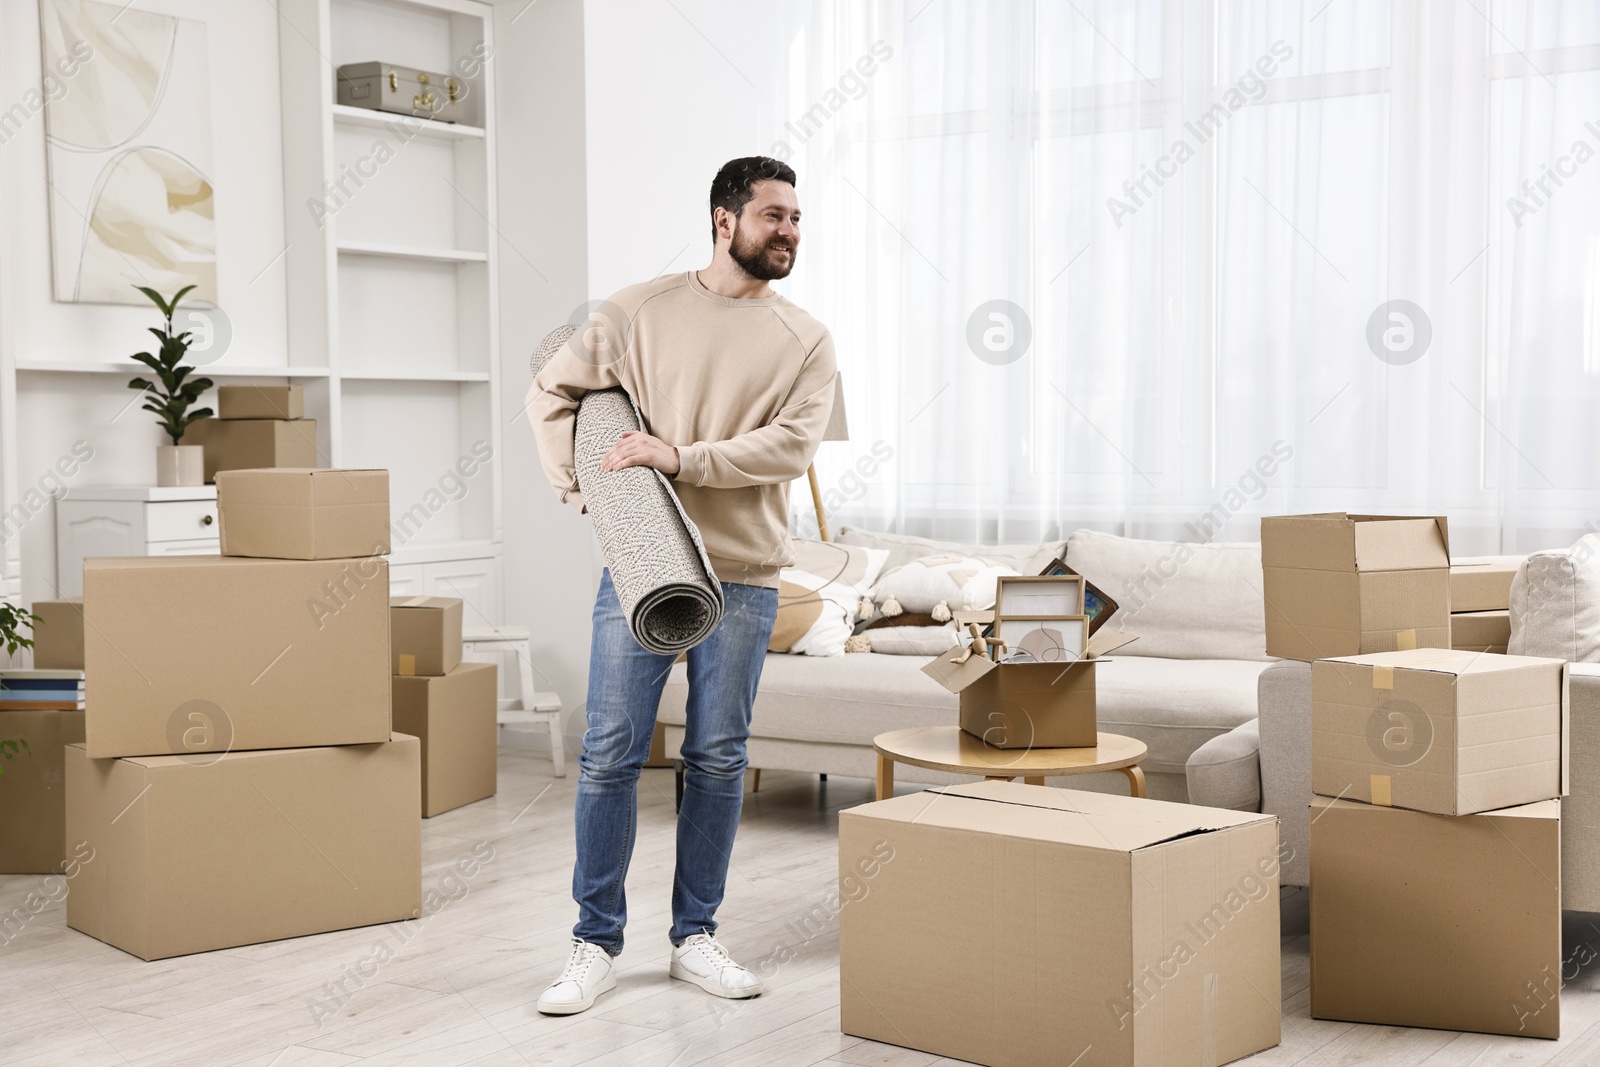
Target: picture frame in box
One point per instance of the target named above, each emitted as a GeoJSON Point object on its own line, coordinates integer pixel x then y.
{"type": "Point", "coordinates": [1096, 604]}
{"type": "Point", "coordinates": [1038, 596]}
{"type": "Point", "coordinates": [1045, 638]}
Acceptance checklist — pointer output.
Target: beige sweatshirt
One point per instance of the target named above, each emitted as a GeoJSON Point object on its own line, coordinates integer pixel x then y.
{"type": "Point", "coordinates": [743, 388]}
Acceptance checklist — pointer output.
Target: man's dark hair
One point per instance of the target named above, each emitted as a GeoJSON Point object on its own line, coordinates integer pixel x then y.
{"type": "Point", "coordinates": [731, 188]}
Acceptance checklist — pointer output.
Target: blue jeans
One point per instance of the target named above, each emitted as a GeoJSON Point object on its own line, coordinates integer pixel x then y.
{"type": "Point", "coordinates": [625, 683]}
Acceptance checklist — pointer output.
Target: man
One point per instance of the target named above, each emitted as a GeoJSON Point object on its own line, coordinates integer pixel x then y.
{"type": "Point", "coordinates": [736, 386]}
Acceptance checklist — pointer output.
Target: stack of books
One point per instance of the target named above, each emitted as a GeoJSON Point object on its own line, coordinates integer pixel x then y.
{"type": "Point", "coordinates": [41, 690]}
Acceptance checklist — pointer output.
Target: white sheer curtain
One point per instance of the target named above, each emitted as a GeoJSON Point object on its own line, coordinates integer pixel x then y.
{"type": "Point", "coordinates": [1200, 216]}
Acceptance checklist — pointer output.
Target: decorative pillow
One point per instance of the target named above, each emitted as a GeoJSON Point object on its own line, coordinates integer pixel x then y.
{"type": "Point", "coordinates": [911, 640]}
{"type": "Point", "coordinates": [1555, 604]}
{"type": "Point", "coordinates": [939, 584]}
{"type": "Point", "coordinates": [1184, 600]}
{"type": "Point", "coordinates": [819, 594]}
{"type": "Point", "coordinates": [903, 548]}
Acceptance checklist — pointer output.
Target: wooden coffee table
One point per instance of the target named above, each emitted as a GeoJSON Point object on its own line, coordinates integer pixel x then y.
{"type": "Point", "coordinates": [950, 748]}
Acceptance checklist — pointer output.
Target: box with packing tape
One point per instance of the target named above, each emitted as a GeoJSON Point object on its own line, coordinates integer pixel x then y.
{"type": "Point", "coordinates": [303, 513]}
{"type": "Point", "coordinates": [186, 654]}
{"type": "Point", "coordinates": [1145, 931]}
{"type": "Point", "coordinates": [455, 717]}
{"type": "Point", "coordinates": [1439, 730]}
{"type": "Point", "coordinates": [201, 852]}
{"type": "Point", "coordinates": [1345, 585]}
{"type": "Point", "coordinates": [425, 634]}
{"type": "Point", "coordinates": [1449, 922]}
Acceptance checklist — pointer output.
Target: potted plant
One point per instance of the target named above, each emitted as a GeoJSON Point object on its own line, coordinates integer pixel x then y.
{"type": "Point", "coordinates": [171, 396]}
{"type": "Point", "coordinates": [13, 620]}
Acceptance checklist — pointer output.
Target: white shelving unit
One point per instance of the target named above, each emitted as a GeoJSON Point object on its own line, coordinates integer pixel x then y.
{"type": "Point", "coordinates": [392, 278]}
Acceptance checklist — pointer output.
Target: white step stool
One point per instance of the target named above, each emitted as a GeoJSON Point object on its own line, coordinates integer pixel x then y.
{"type": "Point", "coordinates": [529, 705]}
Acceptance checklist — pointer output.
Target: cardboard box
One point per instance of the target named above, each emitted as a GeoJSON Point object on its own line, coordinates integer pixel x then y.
{"type": "Point", "coordinates": [455, 716]}
{"type": "Point", "coordinates": [239, 444]}
{"type": "Point", "coordinates": [1347, 585]}
{"type": "Point", "coordinates": [58, 635]}
{"type": "Point", "coordinates": [33, 803]}
{"type": "Point", "coordinates": [261, 402]}
{"type": "Point", "coordinates": [426, 634]}
{"type": "Point", "coordinates": [1480, 631]}
{"type": "Point", "coordinates": [1439, 730]}
{"type": "Point", "coordinates": [1483, 584]}
{"type": "Point", "coordinates": [1027, 705]}
{"type": "Point", "coordinates": [303, 513]}
{"type": "Point", "coordinates": [1145, 931]}
{"type": "Point", "coordinates": [206, 654]}
{"type": "Point", "coordinates": [254, 847]}
{"type": "Point", "coordinates": [1437, 921]}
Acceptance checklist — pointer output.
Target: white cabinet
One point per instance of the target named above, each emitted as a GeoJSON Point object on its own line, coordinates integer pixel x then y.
{"type": "Point", "coordinates": [131, 521]}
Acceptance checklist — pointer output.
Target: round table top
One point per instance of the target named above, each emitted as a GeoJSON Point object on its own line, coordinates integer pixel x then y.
{"type": "Point", "coordinates": [950, 748]}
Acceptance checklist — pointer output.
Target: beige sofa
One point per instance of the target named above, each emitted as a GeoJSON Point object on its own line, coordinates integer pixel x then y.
{"type": "Point", "coordinates": [1555, 612]}
{"type": "Point", "coordinates": [1190, 677]}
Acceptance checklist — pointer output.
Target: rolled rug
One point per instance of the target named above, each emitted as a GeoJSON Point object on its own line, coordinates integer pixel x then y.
{"type": "Point", "coordinates": [668, 591]}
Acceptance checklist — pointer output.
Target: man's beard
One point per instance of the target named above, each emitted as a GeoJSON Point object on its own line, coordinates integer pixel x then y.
{"type": "Point", "coordinates": [758, 259]}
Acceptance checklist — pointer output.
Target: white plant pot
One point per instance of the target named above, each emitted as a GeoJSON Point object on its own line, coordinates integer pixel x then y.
{"type": "Point", "coordinates": [180, 465]}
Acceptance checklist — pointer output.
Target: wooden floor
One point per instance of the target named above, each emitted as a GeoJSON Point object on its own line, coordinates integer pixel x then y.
{"type": "Point", "coordinates": [461, 990]}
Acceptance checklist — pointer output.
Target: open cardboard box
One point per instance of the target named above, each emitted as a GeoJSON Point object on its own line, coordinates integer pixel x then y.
{"type": "Point", "coordinates": [1345, 585]}
{"type": "Point", "coordinates": [1026, 705]}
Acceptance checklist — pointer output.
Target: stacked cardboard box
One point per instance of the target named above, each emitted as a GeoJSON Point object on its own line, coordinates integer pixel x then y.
{"type": "Point", "coordinates": [1435, 840]}
{"type": "Point", "coordinates": [1480, 602]}
{"type": "Point", "coordinates": [450, 705]}
{"type": "Point", "coordinates": [41, 711]}
{"type": "Point", "coordinates": [1346, 585]}
{"type": "Point", "coordinates": [257, 426]}
{"type": "Point", "coordinates": [1088, 927]}
{"type": "Point", "coordinates": [238, 780]}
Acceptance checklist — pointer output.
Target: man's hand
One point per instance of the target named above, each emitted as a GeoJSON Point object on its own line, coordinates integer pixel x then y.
{"type": "Point", "coordinates": [639, 449]}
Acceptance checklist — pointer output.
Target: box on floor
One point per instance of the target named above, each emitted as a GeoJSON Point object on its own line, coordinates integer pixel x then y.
{"type": "Point", "coordinates": [1480, 631]}
{"type": "Point", "coordinates": [58, 634]}
{"type": "Point", "coordinates": [1439, 730]}
{"type": "Point", "coordinates": [261, 402]}
{"type": "Point", "coordinates": [194, 853]}
{"type": "Point", "coordinates": [1448, 922]}
{"type": "Point", "coordinates": [212, 653]}
{"type": "Point", "coordinates": [303, 513]}
{"type": "Point", "coordinates": [1027, 705]}
{"type": "Point", "coordinates": [33, 789]}
{"type": "Point", "coordinates": [1066, 921]}
{"type": "Point", "coordinates": [237, 444]}
{"type": "Point", "coordinates": [455, 717]}
{"type": "Point", "coordinates": [425, 634]}
{"type": "Point", "coordinates": [1347, 585]}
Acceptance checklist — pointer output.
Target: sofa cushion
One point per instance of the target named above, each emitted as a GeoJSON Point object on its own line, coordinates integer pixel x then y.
{"type": "Point", "coordinates": [903, 548]}
{"type": "Point", "coordinates": [818, 596]}
{"type": "Point", "coordinates": [1173, 706]}
{"type": "Point", "coordinates": [1555, 604]}
{"type": "Point", "coordinates": [1184, 600]}
{"type": "Point", "coordinates": [955, 581]}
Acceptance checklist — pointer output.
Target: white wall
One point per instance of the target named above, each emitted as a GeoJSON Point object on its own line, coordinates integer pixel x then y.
{"type": "Point", "coordinates": [551, 560]}
{"type": "Point", "coordinates": [55, 410]}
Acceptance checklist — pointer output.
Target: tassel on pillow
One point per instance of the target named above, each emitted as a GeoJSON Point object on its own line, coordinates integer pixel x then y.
{"type": "Point", "coordinates": [892, 607]}
{"type": "Point", "coordinates": [865, 609]}
{"type": "Point", "coordinates": [858, 643]}
{"type": "Point", "coordinates": [941, 611]}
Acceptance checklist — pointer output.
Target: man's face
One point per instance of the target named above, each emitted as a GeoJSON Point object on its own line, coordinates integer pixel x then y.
{"type": "Point", "coordinates": [766, 238]}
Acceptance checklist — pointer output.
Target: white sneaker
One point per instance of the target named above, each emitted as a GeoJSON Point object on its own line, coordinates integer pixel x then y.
{"type": "Point", "coordinates": [707, 964]}
{"type": "Point", "coordinates": [590, 971]}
